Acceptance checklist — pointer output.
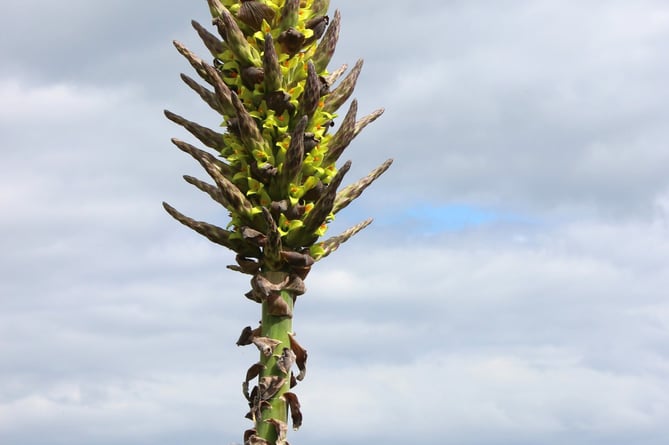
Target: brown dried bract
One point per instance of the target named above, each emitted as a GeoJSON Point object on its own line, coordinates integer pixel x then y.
{"type": "Point", "coordinates": [286, 360]}
{"type": "Point", "coordinates": [254, 236]}
{"type": "Point", "coordinates": [300, 357]}
{"type": "Point", "coordinates": [269, 386]}
{"type": "Point", "coordinates": [266, 345]}
{"type": "Point", "coordinates": [281, 431]}
{"type": "Point", "coordinates": [246, 337]}
{"type": "Point", "coordinates": [264, 287]}
{"type": "Point", "coordinates": [297, 259]}
{"type": "Point", "coordinates": [277, 306]}
{"type": "Point", "coordinates": [295, 286]}
{"type": "Point", "coordinates": [255, 440]}
{"type": "Point", "coordinates": [253, 372]}
{"type": "Point", "coordinates": [247, 265]}
{"type": "Point", "coordinates": [294, 406]}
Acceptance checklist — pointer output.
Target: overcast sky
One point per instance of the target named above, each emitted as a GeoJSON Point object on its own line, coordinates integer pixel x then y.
{"type": "Point", "coordinates": [512, 290]}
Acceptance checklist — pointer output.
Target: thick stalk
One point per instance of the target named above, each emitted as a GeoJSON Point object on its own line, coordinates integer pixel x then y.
{"type": "Point", "coordinates": [276, 328]}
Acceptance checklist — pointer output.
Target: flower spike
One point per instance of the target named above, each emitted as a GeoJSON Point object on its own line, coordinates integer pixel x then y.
{"type": "Point", "coordinates": [275, 169]}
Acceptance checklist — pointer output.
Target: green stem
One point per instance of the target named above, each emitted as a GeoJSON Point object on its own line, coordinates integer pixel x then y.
{"type": "Point", "coordinates": [276, 328]}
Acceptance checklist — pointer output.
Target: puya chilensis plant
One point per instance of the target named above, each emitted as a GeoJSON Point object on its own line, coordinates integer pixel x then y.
{"type": "Point", "coordinates": [276, 172]}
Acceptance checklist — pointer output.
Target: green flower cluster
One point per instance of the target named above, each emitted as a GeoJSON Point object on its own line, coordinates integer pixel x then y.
{"type": "Point", "coordinates": [278, 101]}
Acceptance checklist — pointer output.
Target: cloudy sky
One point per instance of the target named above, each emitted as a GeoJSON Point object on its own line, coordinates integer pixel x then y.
{"type": "Point", "coordinates": [512, 290]}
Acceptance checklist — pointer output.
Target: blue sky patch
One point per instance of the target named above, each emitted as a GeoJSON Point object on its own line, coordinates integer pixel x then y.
{"type": "Point", "coordinates": [458, 216]}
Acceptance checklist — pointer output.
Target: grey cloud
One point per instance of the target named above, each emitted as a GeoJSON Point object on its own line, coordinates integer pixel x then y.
{"type": "Point", "coordinates": [533, 106]}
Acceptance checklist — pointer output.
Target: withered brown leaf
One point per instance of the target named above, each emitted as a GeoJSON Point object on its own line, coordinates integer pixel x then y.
{"type": "Point", "coordinates": [281, 430]}
{"type": "Point", "coordinates": [294, 406]}
{"type": "Point", "coordinates": [246, 265]}
{"type": "Point", "coordinates": [269, 386]}
{"type": "Point", "coordinates": [252, 373]}
{"type": "Point", "coordinates": [246, 337]}
{"type": "Point", "coordinates": [297, 259]}
{"type": "Point", "coordinates": [277, 306]}
{"type": "Point", "coordinates": [286, 360]}
{"type": "Point", "coordinates": [266, 345]}
{"type": "Point", "coordinates": [300, 357]}
{"type": "Point", "coordinates": [255, 440]}
{"type": "Point", "coordinates": [254, 236]}
{"type": "Point", "coordinates": [264, 287]}
{"type": "Point", "coordinates": [248, 433]}
{"type": "Point", "coordinates": [295, 286]}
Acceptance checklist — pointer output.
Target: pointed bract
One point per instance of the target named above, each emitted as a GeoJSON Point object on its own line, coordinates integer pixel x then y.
{"type": "Point", "coordinates": [343, 91]}
{"type": "Point", "coordinates": [326, 47]}
{"type": "Point", "coordinates": [351, 192]}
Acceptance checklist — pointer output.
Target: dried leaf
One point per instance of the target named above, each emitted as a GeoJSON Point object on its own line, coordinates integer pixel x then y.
{"type": "Point", "coordinates": [294, 406]}
{"type": "Point", "coordinates": [296, 258]}
{"type": "Point", "coordinates": [246, 337]}
{"type": "Point", "coordinates": [296, 285]}
{"type": "Point", "coordinates": [255, 440]}
{"type": "Point", "coordinates": [246, 265]}
{"type": "Point", "coordinates": [254, 236]}
{"type": "Point", "coordinates": [265, 287]}
{"type": "Point", "coordinates": [269, 386]}
{"type": "Point", "coordinates": [300, 357]}
{"type": "Point", "coordinates": [253, 296]}
{"type": "Point", "coordinates": [266, 345]}
{"type": "Point", "coordinates": [277, 306]}
{"type": "Point", "coordinates": [253, 372]}
{"type": "Point", "coordinates": [248, 434]}
{"type": "Point", "coordinates": [286, 360]}
{"type": "Point", "coordinates": [281, 430]}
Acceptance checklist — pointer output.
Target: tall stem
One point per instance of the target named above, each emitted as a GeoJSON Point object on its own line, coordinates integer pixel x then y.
{"type": "Point", "coordinates": [276, 328]}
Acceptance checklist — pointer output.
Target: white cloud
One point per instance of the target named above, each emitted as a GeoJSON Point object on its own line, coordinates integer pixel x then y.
{"type": "Point", "coordinates": [57, 103]}
{"type": "Point", "coordinates": [118, 325]}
